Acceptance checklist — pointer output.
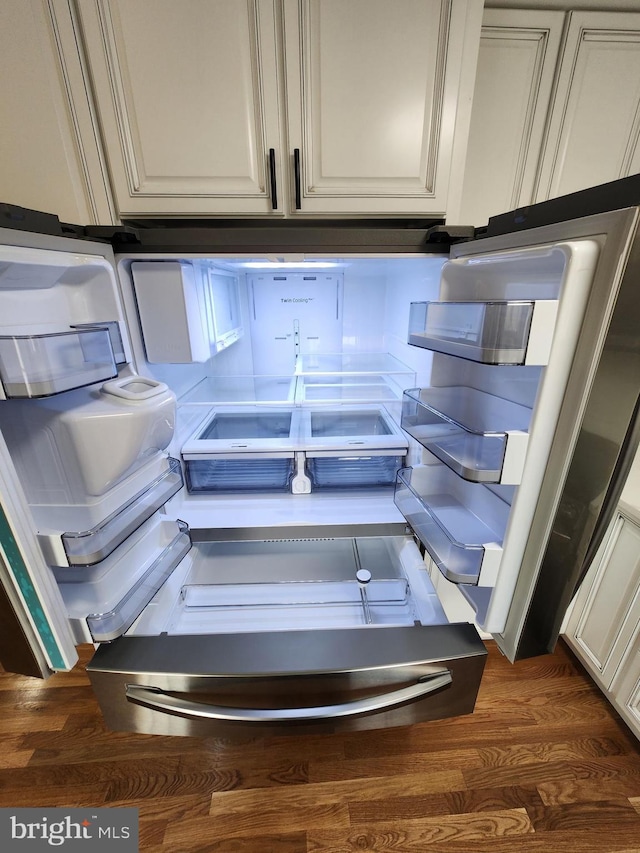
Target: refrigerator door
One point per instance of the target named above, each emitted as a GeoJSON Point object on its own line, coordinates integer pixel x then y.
{"type": "Point", "coordinates": [37, 638]}
{"type": "Point", "coordinates": [594, 430]}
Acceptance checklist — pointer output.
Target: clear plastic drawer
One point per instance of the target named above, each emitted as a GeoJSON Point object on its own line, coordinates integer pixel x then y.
{"type": "Point", "coordinates": [481, 437]}
{"type": "Point", "coordinates": [332, 471]}
{"type": "Point", "coordinates": [488, 332]}
{"type": "Point", "coordinates": [240, 473]}
{"type": "Point", "coordinates": [42, 365]}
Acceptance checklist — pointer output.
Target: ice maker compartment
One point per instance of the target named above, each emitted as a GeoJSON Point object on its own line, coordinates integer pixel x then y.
{"type": "Point", "coordinates": [46, 364]}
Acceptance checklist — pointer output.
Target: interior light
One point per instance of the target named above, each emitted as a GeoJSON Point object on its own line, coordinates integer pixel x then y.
{"type": "Point", "coordinates": [281, 265]}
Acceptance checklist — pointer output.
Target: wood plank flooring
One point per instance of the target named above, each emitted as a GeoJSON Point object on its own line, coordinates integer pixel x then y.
{"type": "Point", "coordinates": [544, 765]}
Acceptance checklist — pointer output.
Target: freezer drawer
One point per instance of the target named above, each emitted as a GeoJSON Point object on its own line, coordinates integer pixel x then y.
{"type": "Point", "coordinates": [284, 682]}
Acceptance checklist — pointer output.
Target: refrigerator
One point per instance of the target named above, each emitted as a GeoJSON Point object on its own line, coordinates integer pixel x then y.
{"type": "Point", "coordinates": [254, 463]}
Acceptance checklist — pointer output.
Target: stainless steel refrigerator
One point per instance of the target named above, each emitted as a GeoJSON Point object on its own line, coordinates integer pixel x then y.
{"type": "Point", "coordinates": [236, 456]}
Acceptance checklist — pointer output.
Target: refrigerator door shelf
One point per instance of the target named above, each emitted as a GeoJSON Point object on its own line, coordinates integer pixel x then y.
{"type": "Point", "coordinates": [461, 529]}
{"type": "Point", "coordinates": [500, 333]}
{"type": "Point", "coordinates": [288, 682]}
{"type": "Point", "coordinates": [46, 364]}
{"type": "Point", "coordinates": [91, 546]}
{"type": "Point", "coordinates": [481, 437]}
{"type": "Point", "coordinates": [96, 607]}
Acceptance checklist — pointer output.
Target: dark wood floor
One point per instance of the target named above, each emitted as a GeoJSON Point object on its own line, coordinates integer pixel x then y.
{"type": "Point", "coordinates": [543, 765]}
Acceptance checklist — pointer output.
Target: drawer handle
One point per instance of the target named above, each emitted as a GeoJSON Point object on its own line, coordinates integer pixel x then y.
{"type": "Point", "coordinates": [158, 700]}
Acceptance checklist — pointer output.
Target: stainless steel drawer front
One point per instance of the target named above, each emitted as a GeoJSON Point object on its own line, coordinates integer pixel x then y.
{"type": "Point", "coordinates": [289, 681]}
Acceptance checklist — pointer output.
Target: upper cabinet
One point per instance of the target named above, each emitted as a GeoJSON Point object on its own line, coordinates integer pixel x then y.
{"type": "Point", "coordinates": [45, 163]}
{"type": "Point", "coordinates": [254, 107]}
{"type": "Point", "coordinates": [378, 96]}
{"type": "Point", "coordinates": [187, 97]}
{"type": "Point", "coordinates": [516, 67]}
{"type": "Point", "coordinates": [556, 108]}
{"type": "Point", "coordinates": [595, 118]}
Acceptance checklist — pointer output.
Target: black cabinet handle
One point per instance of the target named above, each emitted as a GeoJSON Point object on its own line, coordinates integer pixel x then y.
{"type": "Point", "coordinates": [272, 178]}
{"type": "Point", "coordinates": [296, 177]}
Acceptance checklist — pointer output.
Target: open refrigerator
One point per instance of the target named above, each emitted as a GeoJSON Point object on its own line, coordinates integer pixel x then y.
{"type": "Point", "coordinates": [281, 482]}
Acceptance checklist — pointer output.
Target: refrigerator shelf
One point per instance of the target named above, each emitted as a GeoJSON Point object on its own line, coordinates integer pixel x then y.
{"type": "Point", "coordinates": [89, 547]}
{"type": "Point", "coordinates": [481, 437]}
{"type": "Point", "coordinates": [460, 524]}
{"type": "Point", "coordinates": [242, 390]}
{"type": "Point", "coordinates": [46, 364]}
{"type": "Point", "coordinates": [352, 389]}
{"type": "Point", "coordinates": [350, 364]}
{"type": "Point", "coordinates": [500, 333]}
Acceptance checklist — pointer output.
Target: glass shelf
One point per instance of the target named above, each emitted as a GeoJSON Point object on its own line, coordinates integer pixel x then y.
{"type": "Point", "coordinates": [349, 364]}
{"type": "Point", "coordinates": [481, 437]}
{"type": "Point", "coordinates": [47, 364]}
{"type": "Point", "coordinates": [486, 332]}
{"type": "Point", "coordinates": [462, 530]}
{"type": "Point", "coordinates": [242, 390]}
{"type": "Point", "coordinates": [92, 546]}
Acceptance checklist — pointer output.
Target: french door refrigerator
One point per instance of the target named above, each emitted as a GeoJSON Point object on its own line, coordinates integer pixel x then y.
{"type": "Point", "coordinates": [247, 461]}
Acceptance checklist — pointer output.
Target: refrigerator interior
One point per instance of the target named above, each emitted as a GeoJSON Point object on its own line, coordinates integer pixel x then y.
{"type": "Point", "coordinates": [443, 378]}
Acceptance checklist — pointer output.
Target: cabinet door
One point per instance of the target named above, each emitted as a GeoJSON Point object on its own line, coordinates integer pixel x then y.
{"type": "Point", "coordinates": [626, 688]}
{"type": "Point", "coordinates": [187, 95]}
{"type": "Point", "coordinates": [43, 164]}
{"type": "Point", "coordinates": [516, 65]}
{"type": "Point", "coordinates": [378, 98]}
{"type": "Point", "coordinates": [605, 614]}
{"type": "Point", "coordinates": [595, 119]}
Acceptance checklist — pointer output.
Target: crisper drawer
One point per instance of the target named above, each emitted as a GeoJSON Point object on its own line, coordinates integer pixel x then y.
{"type": "Point", "coordinates": [288, 682]}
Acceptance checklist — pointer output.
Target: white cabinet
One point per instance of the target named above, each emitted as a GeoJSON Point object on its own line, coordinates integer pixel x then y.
{"type": "Point", "coordinates": [516, 66]}
{"type": "Point", "coordinates": [626, 689]}
{"type": "Point", "coordinates": [556, 107]}
{"type": "Point", "coordinates": [46, 161]}
{"type": "Point", "coordinates": [378, 97]}
{"type": "Point", "coordinates": [604, 626]}
{"type": "Point", "coordinates": [594, 122]}
{"type": "Point", "coordinates": [188, 101]}
{"type": "Point", "coordinates": [225, 108]}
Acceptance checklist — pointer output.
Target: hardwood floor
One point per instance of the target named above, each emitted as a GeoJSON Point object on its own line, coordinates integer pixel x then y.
{"type": "Point", "coordinates": [543, 765]}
